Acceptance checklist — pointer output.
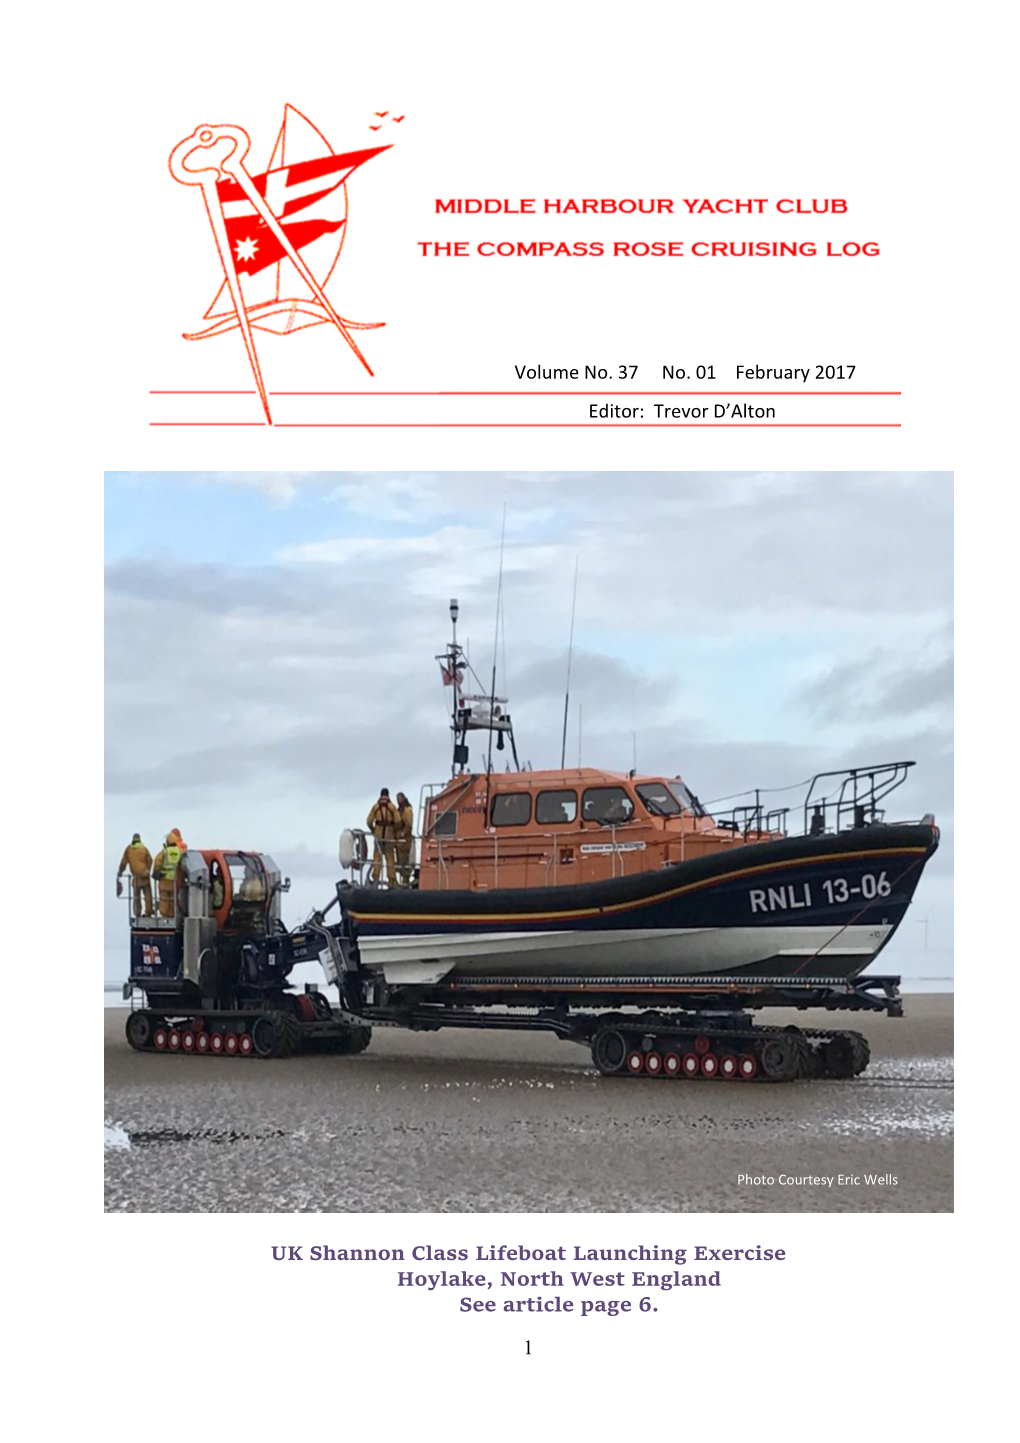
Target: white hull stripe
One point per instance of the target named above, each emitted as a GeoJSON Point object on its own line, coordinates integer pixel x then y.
{"type": "Point", "coordinates": [692, 950]}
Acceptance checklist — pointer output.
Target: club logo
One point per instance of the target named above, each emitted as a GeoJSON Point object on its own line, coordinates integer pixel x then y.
{"type": "Point", "coordinates": [278, 233]}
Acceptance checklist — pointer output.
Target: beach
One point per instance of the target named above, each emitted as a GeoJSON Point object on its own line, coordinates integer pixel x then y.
{"type": "Point", "coordinates": [519, 1122]}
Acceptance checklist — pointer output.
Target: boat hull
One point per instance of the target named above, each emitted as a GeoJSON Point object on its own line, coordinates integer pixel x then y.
{"type": "Point", "coordinates": [812, 906]}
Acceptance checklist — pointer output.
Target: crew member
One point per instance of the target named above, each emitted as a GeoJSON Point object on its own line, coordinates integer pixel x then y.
{"type": "Point", "coordinates": [175, 832]}
{"type": "Point", "coordinates": [382, 823]}
{"type": "Point", "coordinates": [164, 869]}
{"type": "Point", "coordinates": [404, 839]}
{"type": "Point", "coordinates": [138, 860]}
{"type": "Point", "coordinates": [251, 889]}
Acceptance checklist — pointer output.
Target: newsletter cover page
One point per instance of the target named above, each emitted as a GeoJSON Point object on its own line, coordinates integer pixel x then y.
{"type": "Point", "coordinates": [525, 673]}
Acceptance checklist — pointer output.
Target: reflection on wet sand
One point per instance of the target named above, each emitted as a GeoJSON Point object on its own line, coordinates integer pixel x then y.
{"type": "Point", "coordinates": [520, 1123]}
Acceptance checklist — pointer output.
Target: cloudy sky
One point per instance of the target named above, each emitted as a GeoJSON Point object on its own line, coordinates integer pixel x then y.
{"type": "Point", "coordinates": [270, 641]}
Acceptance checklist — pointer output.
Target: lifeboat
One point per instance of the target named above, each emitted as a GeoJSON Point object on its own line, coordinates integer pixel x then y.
{"type": "Point", "coordinates": [579, 872]}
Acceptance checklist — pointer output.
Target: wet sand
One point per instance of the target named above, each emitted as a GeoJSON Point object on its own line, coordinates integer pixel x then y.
{"type": "Point", "coordinates": [489, 1122]}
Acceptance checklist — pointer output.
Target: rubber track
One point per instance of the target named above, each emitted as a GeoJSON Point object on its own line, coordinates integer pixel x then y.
{"type": "Point", "coordinates": [292, 1038]}
{"type": "Point", "coordinates": [636, 1028]}
{"type": "Point", "coordinates": [289, 1025]}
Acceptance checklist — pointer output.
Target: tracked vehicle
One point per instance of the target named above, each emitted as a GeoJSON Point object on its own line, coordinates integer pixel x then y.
{"type": "Point", "coordinates": [211, 979]}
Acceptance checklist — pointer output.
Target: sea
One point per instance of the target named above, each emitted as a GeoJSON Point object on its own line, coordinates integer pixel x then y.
{"type": "Point", "coordinates": [921, 970]}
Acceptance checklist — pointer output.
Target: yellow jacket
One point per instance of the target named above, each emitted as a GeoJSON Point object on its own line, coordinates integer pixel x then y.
{"type": "Point", "coordinates": [405, 823]}
{"type": "Point", "coordinates": [137, 857]}
{"type": "Point", "coordinates": [164, 863]}
{"type": "Point", "coordinates": [382, 820]}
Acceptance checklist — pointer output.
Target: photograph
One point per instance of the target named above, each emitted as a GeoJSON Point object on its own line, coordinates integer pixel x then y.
{"type": "Point", "coordinates": [528, 842]}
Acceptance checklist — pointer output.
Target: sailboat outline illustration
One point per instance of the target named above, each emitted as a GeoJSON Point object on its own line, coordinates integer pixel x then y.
{"type": "Point", "coordinates": [279, 233]}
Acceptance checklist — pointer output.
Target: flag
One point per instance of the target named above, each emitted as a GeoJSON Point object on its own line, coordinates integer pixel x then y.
{"type": "Point", "coordinates": [254, 247]}
{"type": "Point", "coordinates": [286, 190]}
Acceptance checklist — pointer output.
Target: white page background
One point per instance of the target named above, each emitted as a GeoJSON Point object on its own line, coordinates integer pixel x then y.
{"type": "Point", "coordinates": [180, 1323]}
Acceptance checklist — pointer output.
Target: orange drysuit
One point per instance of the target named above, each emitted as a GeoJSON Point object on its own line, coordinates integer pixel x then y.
{"type": "Point", "coordinates": [405, 837]}
{"type": "Point", "coordinates": [138, 860]}
{"type": "Point", "coordinates": [382, 823]}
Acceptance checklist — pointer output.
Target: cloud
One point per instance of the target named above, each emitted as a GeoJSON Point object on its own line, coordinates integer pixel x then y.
{"type": "Point", "coordinates": [621, 687]}
{"type": "Point", "coordinates": [791, 546]}
{"type": "Point", "coordinates": [884, 684]}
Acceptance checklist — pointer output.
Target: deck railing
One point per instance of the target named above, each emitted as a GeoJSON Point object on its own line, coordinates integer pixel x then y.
{"type": "Point", "coordinates": [831, 802]}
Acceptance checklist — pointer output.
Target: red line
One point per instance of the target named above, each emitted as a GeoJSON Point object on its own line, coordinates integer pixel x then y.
{"type": "Point", "coordinates": [530, 393]}
{"type": "Point", "coordinates": [743, 425]}
{"type": "Point", "coordinates": [584, 393]}
{"type": "Point", "coordinates": [565, 393]}
{"type": "Point", "coordinates": [207, 423]}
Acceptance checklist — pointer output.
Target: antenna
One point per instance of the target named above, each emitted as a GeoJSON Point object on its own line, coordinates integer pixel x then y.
{"type": "Point", "coordinates": [495, 641]}
{"type": "Point", "coordinates": [505, 687]}
{"type": "Point", "coordinates": [570, 658]}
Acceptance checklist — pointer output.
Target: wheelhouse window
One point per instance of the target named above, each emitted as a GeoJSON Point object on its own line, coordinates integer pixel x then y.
{"type": "Point", "coordinates": [607, 805]}
{"type": "Point", "coordinates": [659, 800]}
{"type": "Point", "coordinates": [555, 807]}
{"type": "Point", "coordinates": [687, 797]}
{"type": "Point", "coordinates": [445, 824]}
{"type": "Point", "coordinates": [511, 809]}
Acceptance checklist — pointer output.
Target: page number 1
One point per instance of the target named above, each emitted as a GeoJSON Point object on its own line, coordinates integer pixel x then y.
{"type": "Point", "coordinates": [527, 1349]}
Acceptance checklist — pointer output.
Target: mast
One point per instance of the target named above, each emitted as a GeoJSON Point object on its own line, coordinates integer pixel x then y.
{"type": "Point", "coordinates": [477, 711]}
{"type": "Point", "coordinates": [495, 643]}
{"type": "Point", "coordinates": [454, 650]}
{"type": "Point", "coordinates": [450, 663]}
{"type": "Point", "coordinates": [570, 657]}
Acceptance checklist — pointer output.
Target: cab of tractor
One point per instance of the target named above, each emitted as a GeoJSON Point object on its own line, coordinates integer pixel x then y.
{"type": "Point", "coordinates": [244, 891]}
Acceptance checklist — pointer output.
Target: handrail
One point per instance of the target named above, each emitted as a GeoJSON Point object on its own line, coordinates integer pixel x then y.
{"type": "Point", "coordinates": [444, 869]}
{"type": "Point", "coordinates": [155, 917]}
{"type": "Point", "coordinates": [867, 786]}
{"type": "Point", "coordinates": [431, 789]}
{"type": "Point", "coordinates": [486, 846]}
{"type": "Point", "coordinates": [752, 819]}
{"type": "Point", "coordinates": [854, 801]}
